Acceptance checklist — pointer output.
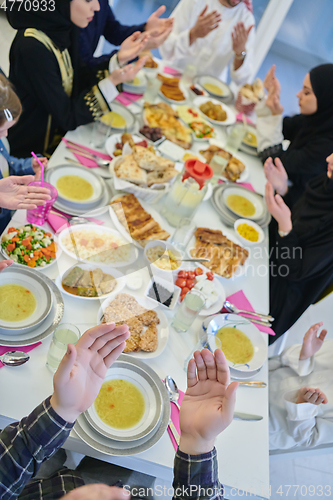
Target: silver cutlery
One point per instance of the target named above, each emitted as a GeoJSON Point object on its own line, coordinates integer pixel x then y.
{"type": "Point", "coordinates": [253, 384]}
{"type": "Point", "coordinates": [246, 416]}
{"type": "Point", "coordinates": [172, 389]}
{"type": "Point", "coordinates": [232, 308]}
{"type": "Point", "coordinates": [73, 221]}
{"type": "Point", "coordinates": [14, 358]}
{"type": "Point", "coordinates": [174, 431]}
{"type": "Point", "coordinates": [101, 163]}
{"type": "Point", "coordinates": [191, 260]}
{"type": "Point", "coordinates": [77, 163]}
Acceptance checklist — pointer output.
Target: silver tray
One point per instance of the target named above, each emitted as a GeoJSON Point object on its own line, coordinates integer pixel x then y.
{"type": "Point", "coordinates": [57, 312]}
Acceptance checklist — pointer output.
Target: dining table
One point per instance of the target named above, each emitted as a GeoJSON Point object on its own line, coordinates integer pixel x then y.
{"type": "Point", "coordinates": [243, 448]}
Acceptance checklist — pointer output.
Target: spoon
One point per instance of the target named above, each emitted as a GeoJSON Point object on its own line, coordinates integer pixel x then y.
{"type": "Point", "coordinates": [172, 389]}
{"type": "Point", "coordinates": [231, 308]}
{"type": "Point", "coordinates": [14, 358]}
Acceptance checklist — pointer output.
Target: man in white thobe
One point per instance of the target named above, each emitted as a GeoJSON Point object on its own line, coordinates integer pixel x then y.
{"type": "Point", "coordinates": [213, 35]}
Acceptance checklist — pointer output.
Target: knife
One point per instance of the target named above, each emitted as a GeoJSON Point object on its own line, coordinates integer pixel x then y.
{"type": "Point", "coordinates": [246, 416]}
{"type": "Point", "coordinates": [173, 431]}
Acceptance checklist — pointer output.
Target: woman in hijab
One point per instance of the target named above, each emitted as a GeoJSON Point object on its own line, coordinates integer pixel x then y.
{"type": "Point", "coordinates": [310, 133]}
{"type": "Point", "coordinates": [301, 257]}
{"type": "Point", "coordinates": [44, 68]}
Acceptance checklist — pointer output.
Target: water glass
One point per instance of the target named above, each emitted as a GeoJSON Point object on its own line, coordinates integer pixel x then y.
{"type": "Point", "coordinates": [183, 233]}
{"type": "Point", "coordinates": [236, 136]}
{"type": "Point", "coordinates": [63, 335]}
{"type": "Point", "coordinates": [152, 89]}
{"type": "Point", "coordinates": [38, 215]}
{"type": "Point", "coordinates": [101, 131]}
{"type": "Point", "coordinates": [188, 310]}
{"type": "Point", "coordinates": [207, 341]}
{"type": "Point", "coordinates": [189, 74]}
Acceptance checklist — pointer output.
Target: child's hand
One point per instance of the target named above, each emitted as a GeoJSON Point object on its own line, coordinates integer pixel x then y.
{"type": "Point", "coordinates": [37, 168]}
{"type": "Point", "coordinates": [313, 396]}
{"type": "Point", "coordinates": [312, 343]}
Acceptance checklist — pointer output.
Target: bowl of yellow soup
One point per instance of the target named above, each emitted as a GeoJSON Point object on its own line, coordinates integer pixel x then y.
{"type": "Point", "coordinates": [244, 346]}
{"type": "Point", "coordinates": [249, 232]}
{"type": "Point", "coordinates": [119, 118]}
{"type": "Point", "coordinates": [78, 187]}
{"type": "Point", "coordinates": [128, 406]}
{"type": "Point", "coordinates": [214, 87]}
{"type": "Point", "coordinates": [136, 86]}
{"type": "Point", "coordinates": [163, 258]}
{"type": "Point", "coordinates": [25, 300]}
{"type": "Point", "coordinates": [243, 203]}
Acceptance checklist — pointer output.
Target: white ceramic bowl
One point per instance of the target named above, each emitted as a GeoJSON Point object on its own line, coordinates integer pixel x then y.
{"type": "Point", "coordinates": [231, 115]}
{"type": "Point", "coordinates": [255, 226]}
{"type": "Point", "coordinates": [32, 281]}
{"type": "Point", "coordinates": [54, 174]}
{"type": "Point", "coordinates": [244, 325]}
{"type": "Point", "coordinates": [170, 286]}
{"type": "Point", "coordinates": [139, 86]}
{"type": "Point", "coordinates": [121, 280]}
{"type": "Point", "coordinates": [163, 273]}
{"type": "Point", "coordinates": [258, 205]}
{"type": "Point", "coordinates": [204, 79]}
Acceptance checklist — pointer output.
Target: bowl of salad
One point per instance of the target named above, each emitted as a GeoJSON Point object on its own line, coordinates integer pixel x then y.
{"type": "Point", "coordinates": [202, 131]}
{"type": "Point", "coordinates": [29, 245]}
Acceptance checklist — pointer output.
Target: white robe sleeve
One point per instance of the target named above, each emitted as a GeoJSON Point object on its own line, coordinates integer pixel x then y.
{"type": "Point", "coordinates": [176, 49]}
{"type": "Point", "coordinates": [243, 75]}
{"type": "Point", "coordinates": [290, 357]}
{"type": "Point", "coordinates": [304, 425]}
{"type": "Point", "coordinates": [269, 127]}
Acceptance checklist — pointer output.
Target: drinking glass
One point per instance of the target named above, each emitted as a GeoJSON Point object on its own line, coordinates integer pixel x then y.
{"type": "Point", "coordinates": [207, 341]}
{"type": "Point", "coordinates": [63, 335]}
{"type": "Point", "coordinates": [101, 131]}
{"type": "Point", "coordinates": [188, 310]}
{"type": "Point", "coordinates": [38, 215]}
{"type": "Point", "coordinates": [236, 136]}
{"type": "Point", "coordinates": [152, 89]}
{"type": "Point", "coordinates": [189, 74]}
{"type": "Point", "coordinates": [183, 234]}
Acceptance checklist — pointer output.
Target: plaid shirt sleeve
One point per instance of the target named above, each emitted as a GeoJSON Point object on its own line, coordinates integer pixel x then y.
{"type": "Point", "coordinates": [196, 477]}
{"type": "Point", "coordinates": [25, 445]}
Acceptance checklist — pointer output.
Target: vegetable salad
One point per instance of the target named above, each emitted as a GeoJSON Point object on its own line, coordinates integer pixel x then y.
{"type": "Point", "coordinates": [29, 245]}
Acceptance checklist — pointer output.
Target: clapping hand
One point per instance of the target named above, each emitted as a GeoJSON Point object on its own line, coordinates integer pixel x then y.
{"type": "Point", "coordinates": [132, 46]}
{"type": "Point", "coordinates": [276, 174]}
{"type": "Point", "coordinates": [37, 168]}
{"type": "Point", "coordinates": [312, 343]}
{"type": "Point", "coordinates": [239, 37]}
{"type": "Point", "coordinates": [278, 209]}
{"type": "Point", "coordinates": [205, 24]}
{"type": "Point", "coordinates": [313, 396]}
{"type": "Point", "coordinates": [15, 193]}
{"type": "Point", "coordinates": [82, 370]}
{"type": "Point", "coordinates": [208, 405]}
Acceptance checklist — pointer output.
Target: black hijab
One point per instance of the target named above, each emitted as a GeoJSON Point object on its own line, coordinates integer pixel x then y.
{"type": "Point", "coordinates": [313, 213]}
{"type": "Point", "coordinates": [321, 122]}
{"type": "Point", "coordinates": [55, 24]}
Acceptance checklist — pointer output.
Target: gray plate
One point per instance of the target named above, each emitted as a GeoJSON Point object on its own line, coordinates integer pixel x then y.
{"type": "Point", "coordinates": [45, 329]}
{"type": "Point", "coordinates": [248, 150]}
{"type": "Point", "coordinates": [111, 447]}
{"type": "Point", "coordinates": [37, 277]}
{"type": "Point", "coordinates": [159, 408]}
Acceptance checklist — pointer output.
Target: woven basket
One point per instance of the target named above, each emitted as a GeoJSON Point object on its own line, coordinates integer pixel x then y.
{"type": "Point", "coordinates": [243, 105]}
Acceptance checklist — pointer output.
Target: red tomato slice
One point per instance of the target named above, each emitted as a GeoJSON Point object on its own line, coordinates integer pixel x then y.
{"type": "Point", "coordinates": [182, 274]}
{"type": "Point", "coordinates": [191, 275]}
{"type": "Point", "coordinates": [198, 271]}
{"type": "Point", "coordinates": [190, 284]}
{"type": "Point", "coordinates": [181, 282]}
{"type": "Point", "coordinates": [185, 290]}
{"type": "Point", "coordinates": [210, 276]}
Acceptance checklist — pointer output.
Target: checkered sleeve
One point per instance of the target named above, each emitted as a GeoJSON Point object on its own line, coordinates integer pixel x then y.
{"type": "Point", "coordinates": [196, 477]}
{"type": "Point", "coordinates": [26, 444]}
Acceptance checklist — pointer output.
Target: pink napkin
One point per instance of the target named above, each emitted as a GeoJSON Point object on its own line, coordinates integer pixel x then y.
{"type": "Point", "coordinates": [126, 98]}
{"type": "Point", "coordinates": [239, 118]}
{"type": "Point", "coordinates": [171, 71]}
{"type": "Point", "coordinates": [27, 348]}
{"type": "Point", "coordinates": [175, 418]}
{"type": "Point", "coordinates": [86, 161]}
{"type": "Point", "coordinates": [247, 185]}
{"type": "Point", "coordinates": [240, 300]}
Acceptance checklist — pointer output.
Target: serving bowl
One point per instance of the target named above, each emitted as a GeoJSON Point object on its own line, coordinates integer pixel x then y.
{"type": "Point", "coordinates": [164, 273]}
{"type": "Point", "coordinates": [261, 234]}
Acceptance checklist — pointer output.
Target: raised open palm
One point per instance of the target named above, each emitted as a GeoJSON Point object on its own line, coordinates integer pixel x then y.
{"type": "Point", "coordinates": [312, 343]}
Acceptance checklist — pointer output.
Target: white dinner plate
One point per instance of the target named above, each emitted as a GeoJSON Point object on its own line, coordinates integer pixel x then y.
{"type": "Point", "coordinates": [252, 197]}
{"type": "Point", "coordinates": [162, 327]}
{"type": "Point", "coordinates": [118, 225]}
{"type": "Point", "coordinates": [101, 231]}
{"type": "Point", "coordinates": [240, 271]}
{"type": "Point", "coordinates": [172, 101]}
{"type": "Point", "coordinates": [231, 115]}
{"type": "Point", "coordinates": [152, 406]}
{"type": "Point", "coordinates": [121, 280]}
{"type": "Point", "coordinates": [116, 107]}
{"type": "Point", "coordinates": [248, 328]}
{"type": "Point", "coordinates": [33, 282]}
{"type": "Point", "coordinates": [138, 85]}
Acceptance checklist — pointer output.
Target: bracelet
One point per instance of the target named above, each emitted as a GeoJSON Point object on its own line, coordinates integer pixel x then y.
{"type": "Point", "coordinates": [120, 65]}
{"type": "Point", "coordinates": [240, 57]}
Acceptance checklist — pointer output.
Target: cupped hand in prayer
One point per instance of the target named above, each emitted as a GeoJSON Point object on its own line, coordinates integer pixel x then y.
{"type": "Point", "coordinates": [311, 342]}
{"type": "Point", "coordinates": [313, 396]}
{"type": "Point", "coordinates": [205, 24]}
{"type": "Point", "coordinates": [157, 37]}
{"type": "Point", "coordinates": [276, 174]}
{"type": "Point", "coordinates": [239, 36]}
{"type": "Point", "coordinates": [272, 85]}
{"type": "Point", "coordinates": [128, 73]}
{"type": "Point", "coordinates": [82, 370]}
{"type": "Point", "coordinates": [132, 46]}
{"type": "Point", "coordinates": [155, 22]}
{"type": "Point", "coordinates": [15, 193]}
{"type": "Point", "coordinates": [208, 405]}
{"type": "Point", "coordinates": [278, 209]}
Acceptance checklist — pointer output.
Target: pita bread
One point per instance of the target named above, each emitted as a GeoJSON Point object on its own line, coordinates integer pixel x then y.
{"type": "Point", "coordinates": [161, 176]}
{"type": "Point", "coordinates": [128, 170]}
{"type": "Point", "coordinates": [150, 162]}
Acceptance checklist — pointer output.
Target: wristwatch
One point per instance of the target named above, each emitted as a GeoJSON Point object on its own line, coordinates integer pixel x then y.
{"type": "Point", "coordinates": [241, 56]}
